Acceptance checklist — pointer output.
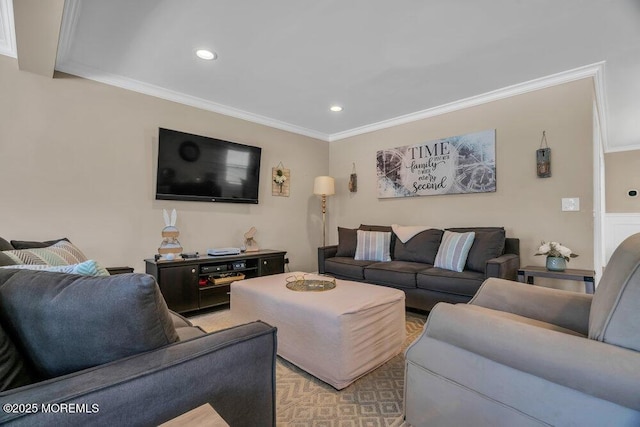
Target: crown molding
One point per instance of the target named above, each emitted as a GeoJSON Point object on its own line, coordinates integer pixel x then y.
{"type": "Point", "coordinates": [193, 101]}
{"type": "Point", "coordinates": [70, 16]}
{"type": "Point", "coordinates": [7, 30]}
{"type": "Point", "coordinates": [593, 70]}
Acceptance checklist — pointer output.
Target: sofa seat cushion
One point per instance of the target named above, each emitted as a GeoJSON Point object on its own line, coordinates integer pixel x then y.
{"type": "Point", "coordinates": [346, 267]}
{"type": "Point", "coordinates": [464, 283]}
{"type": "Point", "coordinates": [422, 247]}
{"type": "Point", "coordinates": [65, 322]}
{"type": "Point", "coordinates": [399, 274]}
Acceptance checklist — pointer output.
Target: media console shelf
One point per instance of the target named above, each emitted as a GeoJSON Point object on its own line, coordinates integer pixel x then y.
{"type": "Point", "coordinates": [197, 283]}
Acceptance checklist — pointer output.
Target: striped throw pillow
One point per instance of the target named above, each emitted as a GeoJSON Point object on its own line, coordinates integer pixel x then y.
{"type": "Point", "coordinates": [373, 246]}
{"type": "Point", "coordinates": [87, 268]}
{"type": "Point", "coordinates": [453, 251]}
{"type": "Point", "coordinates": [62, 253]}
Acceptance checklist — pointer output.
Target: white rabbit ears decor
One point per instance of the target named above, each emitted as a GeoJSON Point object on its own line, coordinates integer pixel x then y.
{"type": "Point", "coordinates": [170, 248]}
{"type": "Point", "coordinates": [170, 222]}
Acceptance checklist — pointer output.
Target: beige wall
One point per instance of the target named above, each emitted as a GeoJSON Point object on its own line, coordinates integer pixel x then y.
{"type": "Point", "coordinates": [77, 159]}
{"type": "Point", "coordinates": [622, 173]}
{"type": "Point", "coordinates": [527, 206]}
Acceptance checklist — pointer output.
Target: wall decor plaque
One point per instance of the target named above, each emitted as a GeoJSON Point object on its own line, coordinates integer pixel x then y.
{"type": "Point", "coordinates": [454, 165]}
{"type": "Point", "coordinates": [280, 181]}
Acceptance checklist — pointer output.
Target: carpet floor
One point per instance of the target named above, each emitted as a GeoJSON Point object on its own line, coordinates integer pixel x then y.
{"type": "Point", "coordinates": [302, 400]}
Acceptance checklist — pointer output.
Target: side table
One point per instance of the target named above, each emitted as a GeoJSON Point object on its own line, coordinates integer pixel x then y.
{"type": "Point", "coordinates": [526, 275]}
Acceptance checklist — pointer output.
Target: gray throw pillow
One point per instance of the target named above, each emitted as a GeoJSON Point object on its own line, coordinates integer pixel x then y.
{"type": "Point", "coordinates": [13, 369]}
{"type": "Point", "coordinates": [6, 260]}
{"type": "Point", "coordinates": [5, 246]}
{"type": "Point", "coordinates": [347, 242]}
{"type": "Point", "coordinates": [64, 322]}
{"type": "Point", "coordinates": [488, 244]}
{"type": "Point", "coordinates": [422, 247]}
{"type": "Point", "coordinates": [27, 244]}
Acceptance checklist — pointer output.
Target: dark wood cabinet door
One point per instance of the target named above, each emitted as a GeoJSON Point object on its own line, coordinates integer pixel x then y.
{"type": "Point", "coordinates": [271, 265]}
{"type": "Point", "coordinates": [179, 286]}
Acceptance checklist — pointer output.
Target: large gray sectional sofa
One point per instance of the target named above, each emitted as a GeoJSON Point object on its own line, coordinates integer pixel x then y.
{"type": "Point", "coordinates": [412, 270]}
{"type": "Point", "coordinates": [104, 351]}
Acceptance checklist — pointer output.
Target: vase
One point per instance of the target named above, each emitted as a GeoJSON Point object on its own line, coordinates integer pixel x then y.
{"type": "Point", "coordinates": [556, 263]}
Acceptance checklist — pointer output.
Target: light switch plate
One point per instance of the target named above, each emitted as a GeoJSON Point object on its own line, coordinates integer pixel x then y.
{"type": "Point", "coordinates": [570, 204]}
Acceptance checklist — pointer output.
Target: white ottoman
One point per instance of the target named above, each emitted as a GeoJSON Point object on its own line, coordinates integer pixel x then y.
{"type": "Point", "coordinates": [337, 335]}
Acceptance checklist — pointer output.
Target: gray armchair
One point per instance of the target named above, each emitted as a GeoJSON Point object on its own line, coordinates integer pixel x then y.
{"type": "Point", "coordinates": [522, 355]}
{"type": "Point", "coordinates": [77, 350]}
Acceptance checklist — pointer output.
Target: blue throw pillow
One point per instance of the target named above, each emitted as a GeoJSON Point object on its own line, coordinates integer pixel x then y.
{"type": "Point", "coordinates": [453, 251]}
{"type": "Point", "coordinates": [373, 246]}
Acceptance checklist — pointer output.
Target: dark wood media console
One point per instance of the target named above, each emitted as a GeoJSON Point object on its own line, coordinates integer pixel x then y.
{"type": "Point", "coordinates": [197, 283]}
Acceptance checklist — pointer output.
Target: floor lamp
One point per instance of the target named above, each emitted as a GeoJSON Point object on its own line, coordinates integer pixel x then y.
{"type": "Point", "coordinates": [324, 186]}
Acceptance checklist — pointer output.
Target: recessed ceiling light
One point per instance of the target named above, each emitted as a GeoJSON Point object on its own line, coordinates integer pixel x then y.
{"type": "Point", "coordinates": [335, 108]}
{"type": "Point", "coordinates": [206, 54]}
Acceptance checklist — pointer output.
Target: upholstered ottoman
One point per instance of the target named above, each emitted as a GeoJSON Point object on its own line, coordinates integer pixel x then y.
{"type": "Point", "coordinates": [336, 335]}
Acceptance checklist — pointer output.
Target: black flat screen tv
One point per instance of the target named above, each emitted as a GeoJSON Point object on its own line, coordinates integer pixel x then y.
{"type": "Point", "coordinates": [203, 169]}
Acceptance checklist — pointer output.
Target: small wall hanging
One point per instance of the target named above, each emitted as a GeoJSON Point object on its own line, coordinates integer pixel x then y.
{"type": "Point", "coordinates": [353, 180]}
{"type": "Point", "coordinates": [543, 158]}
{"type": "Point", "coordinates": [280, 181]}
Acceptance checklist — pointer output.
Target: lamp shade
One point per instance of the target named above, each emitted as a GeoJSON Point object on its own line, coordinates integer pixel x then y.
{"type": "Point", "coordinates": [324, 185]}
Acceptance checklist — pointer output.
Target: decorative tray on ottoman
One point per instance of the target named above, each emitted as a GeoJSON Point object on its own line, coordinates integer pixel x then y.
{"type": "Point", "coordinates": [306, 283]}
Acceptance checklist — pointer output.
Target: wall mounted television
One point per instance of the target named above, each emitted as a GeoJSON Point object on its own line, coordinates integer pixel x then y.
{"type": "Point", "coordinates": [203, 169]}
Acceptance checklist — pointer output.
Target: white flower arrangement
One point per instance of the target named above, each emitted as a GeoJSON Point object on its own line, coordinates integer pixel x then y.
{"type": "Point", "coordinates": [555, 249]}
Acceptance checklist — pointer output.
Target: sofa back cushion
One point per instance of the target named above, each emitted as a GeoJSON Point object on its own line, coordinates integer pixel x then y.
{"type": "Point", "coordinates": [615, 310]}
{"type": "Point", "coordinates": [13, 366]}
{"type": "Point", "coordinates": [422, 247]}
{"type": "Point", "coordinates": [489, 243]}
{"type": "Point", "coordinates": [65, 322]}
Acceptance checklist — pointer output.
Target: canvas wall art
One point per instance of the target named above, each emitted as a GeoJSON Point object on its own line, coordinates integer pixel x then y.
{"type": "Point", "coordinates": [454, 165]}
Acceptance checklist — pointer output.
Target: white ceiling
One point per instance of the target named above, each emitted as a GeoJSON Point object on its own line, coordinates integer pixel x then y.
{"type": "Point", "coordinates": [284, 62]}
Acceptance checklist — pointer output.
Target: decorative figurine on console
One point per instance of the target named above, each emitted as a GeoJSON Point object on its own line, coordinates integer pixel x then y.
{"type": "Point", "coordinates": [170, 248]}
{"type": "Point", "coordinates": [249, 243]}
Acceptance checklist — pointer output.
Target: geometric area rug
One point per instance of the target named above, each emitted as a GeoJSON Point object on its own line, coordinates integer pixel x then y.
{"type": "Point", "coordinates": [375, 400]}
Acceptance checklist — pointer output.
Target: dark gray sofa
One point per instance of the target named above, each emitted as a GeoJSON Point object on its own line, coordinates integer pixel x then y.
{"type": "Point", "coordinates": [109, 351]}
{"type": "Point", "coordinates": [411, 267]}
